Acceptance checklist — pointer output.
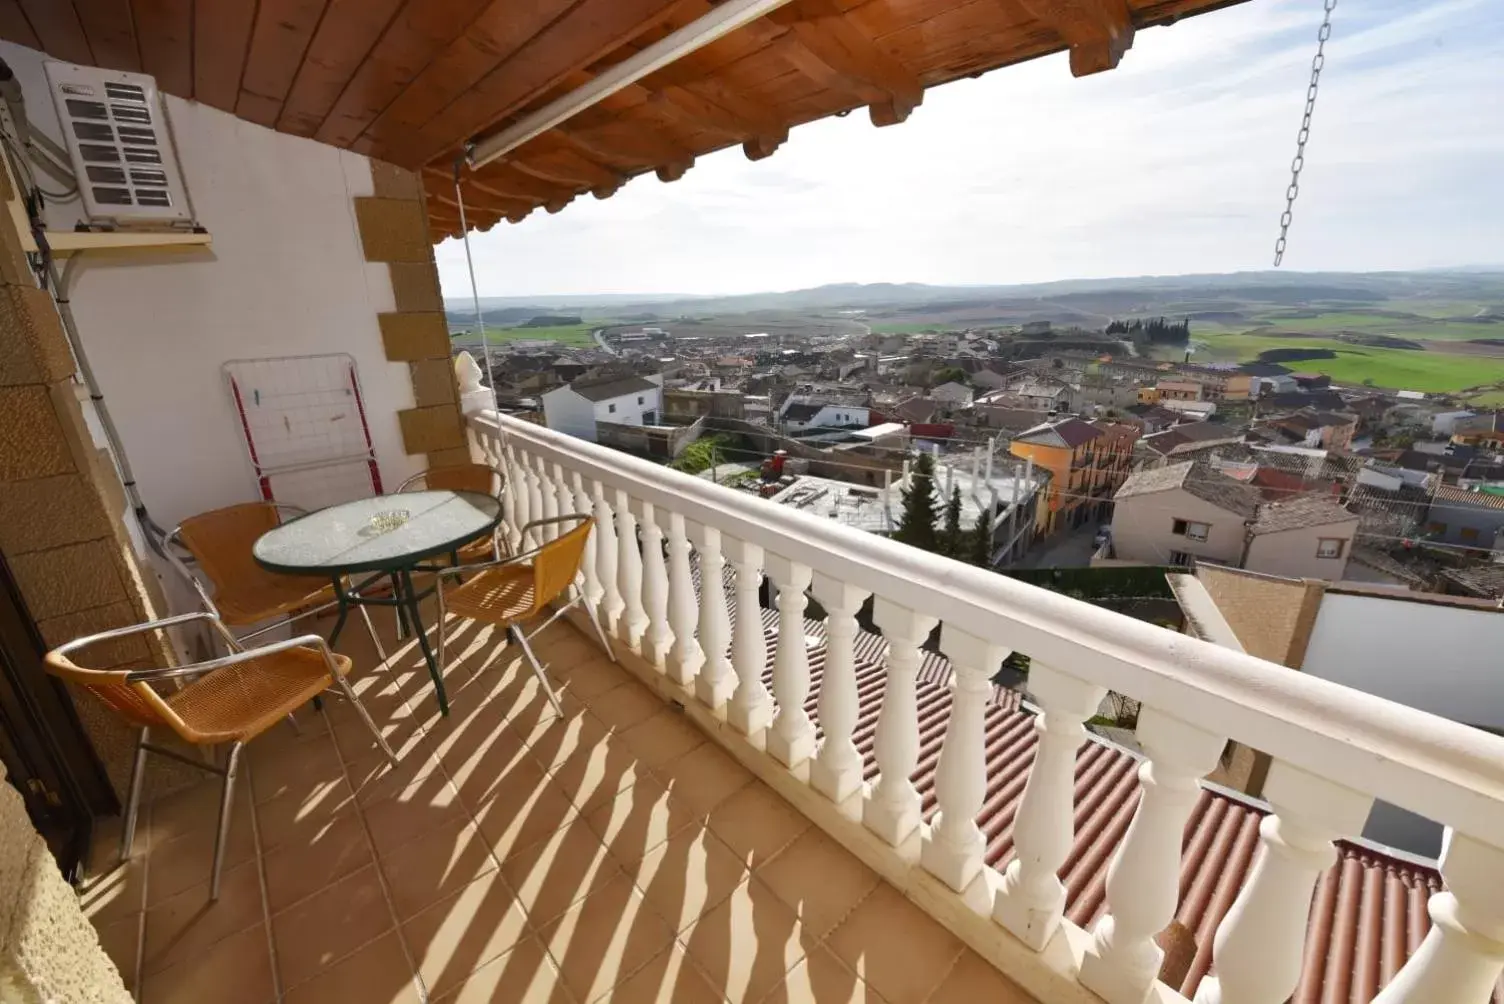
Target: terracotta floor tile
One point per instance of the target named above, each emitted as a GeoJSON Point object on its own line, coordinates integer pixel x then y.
{"type": "Point", "coordinates": [591, 677]}
{"type": "Point", "coordinates": [288, 816]}
{"type": "Point", "coordinates": [333, 922]}
{"type": "Point", "coordinates": [820, 978]}
{"type": "Point", "coordinates": [562, 740]}
{"type": "Point", "coordinates": [687, 876]}
{"type": "Point", "coordinates": [639, 819]}
{"type": "Point", "coordinates": [180, 864]}
{"type": "Point", "coordinates": [479, 769]}
{"type": "Point", "coordinates": [434, 866]}
{"type": "Point", "coordinates": [313, 726]}
{"type": "Point", "coordinates": [624, 706]}
{"type": "Point", "coordinates": [297, 770]}
{"type": "Point", "coordinates": [747, 944]}
{"type": "Point", "coordinates": [321, 855]}
{"type": "Point", "coordinates": [373, 778]}
{"type": "Point", "coordinates": [704, 777]}
{"type": "Point", "coordinates": [185, 925]}
{"type": "Point", "coordinates": [820, 879]}
{"type": "Point", "coordinates": [423, 806]}
{"type": "Point", "coordinates": [458, 935]}
{"type": "Point", "coordinates": [973, 979]}
{"type": "Point", "coordinates": [564, 867]}
{"type": "Point", "coordinates": [664, 737]}
{"type": "Point", "coordinates": [525, 807]}
{"type": "Point", "coordinates": [235, 970]}
{"type": "Point", "coordinates": [377, 974]}
{"type": "Point", "coordinates": [895, 946]}
{"type": "Point", "coordinates": [605, 938]}
{"type": "Point", "coordinates": [668, 978]}
{"type": "Point", "coordinates": [117, 892]}
{"type": "Point", "coordinates": [402, 730]}
{"type": "Point", "coordinates": [596, 769]}
{"type": "Point", "coordinates": [183, 813]}
{"type": "Point", "coordinates": [525, 975]}
{"type": "Point", "coordinates": [756, 823]}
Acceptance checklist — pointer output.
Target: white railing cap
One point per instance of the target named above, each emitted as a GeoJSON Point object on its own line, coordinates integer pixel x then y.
{"type": "Point", "coordinates": [1451, 773]}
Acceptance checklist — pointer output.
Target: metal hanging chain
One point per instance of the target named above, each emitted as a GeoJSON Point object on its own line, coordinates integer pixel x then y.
{"type": "Point", "coordinates": [1317, 62]}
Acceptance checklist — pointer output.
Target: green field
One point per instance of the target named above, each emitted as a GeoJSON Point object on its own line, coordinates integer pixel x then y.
{"type": "Point", "coordinates": [907, 329]}
{"type": "Point", "coordinates": [564, 334]}
{"type": "Point", "coordinates": [1396, 369]}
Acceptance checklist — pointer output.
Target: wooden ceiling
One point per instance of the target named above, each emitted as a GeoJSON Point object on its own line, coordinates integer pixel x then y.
{"type": "Point", "coordinates": [411, 81]}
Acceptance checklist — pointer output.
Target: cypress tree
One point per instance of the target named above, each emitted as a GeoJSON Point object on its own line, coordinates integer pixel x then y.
{"type": "Point", "coordinates": [916, 522]}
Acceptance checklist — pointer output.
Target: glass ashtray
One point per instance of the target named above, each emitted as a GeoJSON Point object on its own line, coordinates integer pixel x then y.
{"type": "Point", "coordinates": [392, 519]}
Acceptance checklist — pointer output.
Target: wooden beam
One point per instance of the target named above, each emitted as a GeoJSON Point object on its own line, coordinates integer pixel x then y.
{"type": "Point", "coordinates": [625, 142]}
{"type": "Point", "coordinates": [111, 32]}
{"type": "Point", "coordinates": [504, 180]}
{"type": "Point", "coordinates": [549, 160]}
{"type": "Point", "coordinates": [14, 27]}
{"type": "Point", "coordinates": [283, 30]}
{"type": "Point", "coordinates": [1098, 32]}
{"type": "Point", "coordinates": [759, 138]}
{"type": "Point", "coordinates": [59, 29]}
{"type": "Point", "coordinates": [342, 42]}
{"type": "Point", "coordinates": [164, 32]}
{"type": "Point", "coordinates": [591, 31]}
{"type": "Point", "coordinates": [821, 28]}
{"type": "Point", "coordinates": [476, 200]}
{"type": "Point", "coordinates": [221, 36]}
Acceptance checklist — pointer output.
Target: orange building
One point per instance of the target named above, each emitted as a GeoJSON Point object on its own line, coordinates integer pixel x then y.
{"type": "Point", "coordinates": [1066, 449]}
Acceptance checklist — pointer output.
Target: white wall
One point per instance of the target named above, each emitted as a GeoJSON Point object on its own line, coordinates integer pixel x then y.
{"type": "Point", "coordinates": [833, 416]}
{"type": "Point", "coordinates": [286, 277]}
{"type": "Point", "coordinates": [567, 412]}
{"type": "Point", "coordinates": [630, 408]}
{"type": "Point", "coordinates": [1292, 553]}
{"type": "Point", "coordinates": [1142, 528]}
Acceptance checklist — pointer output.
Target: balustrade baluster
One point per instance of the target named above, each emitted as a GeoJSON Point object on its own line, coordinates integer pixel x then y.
{"type": "Point", "coordinates": [892, 808]}
{"type": "Point", "coordinates": [582, 505]}
{"type": "Point", "coordinates": [1031, 900]}
{"type": "Point", "coordinates": [553, 501]}
{"type": "Point", "coordinates": [837, 770]}
{"type": "Point", "coordinates": [518, 492]}
{"type": "Point", "coordinates": [952, 850]}
{"type": "Point", "coordinates": [685, 658]}
{"type": "Point", "coordinates": [535, 511]}
{"type": "Point", "coordinates": [751, 708]}
{"type": "Point", "coordinates": [1259, 944]}
{"type": "Point", "coordinates": [629, 571]}
{"type": "Point", "coordinates": [1143, 881]}
{"type": "Point", "coordinates": [1463, 953]}
{"type": "Point", "coordinates": [716, 680]}
{"type": "Point", "coordinates": [792, 737]}
{"type": "Point", "coordinates": [606, 558]}
{"type": "Point", "coordinates": [657, 639]}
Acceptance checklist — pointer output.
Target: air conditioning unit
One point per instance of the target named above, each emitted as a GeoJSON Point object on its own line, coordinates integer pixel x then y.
{"type": "Point", "coordinates": [115, 126]}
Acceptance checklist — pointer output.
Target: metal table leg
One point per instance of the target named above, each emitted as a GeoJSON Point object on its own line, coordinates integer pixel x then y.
{"type": "Point", "coordinates": [410, 602]}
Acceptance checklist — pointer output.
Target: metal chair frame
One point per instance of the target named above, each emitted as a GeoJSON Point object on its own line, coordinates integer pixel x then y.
{"type": "Point", "coordinates": [173, 542]}
{"type": "Point", "coordinates": [229, 772]}
{"type": "Point", "coordinates": [514, 629]}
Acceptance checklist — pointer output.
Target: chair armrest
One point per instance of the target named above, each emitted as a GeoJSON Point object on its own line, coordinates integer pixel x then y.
{"type": "Point", "coordinates": [165, 622]}
{"type": "Point", "coordinates": [235, 658]}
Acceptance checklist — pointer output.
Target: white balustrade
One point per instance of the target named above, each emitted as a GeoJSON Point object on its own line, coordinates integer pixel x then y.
{"type": "Point", "coordinates": [751, 708]}
{"type": "Point", "coordinates": [658, 637]}
{"type": "Point", "coordinates": [1031, 900]}
{"type": "Point", "coordinates": [606, 556]}
{"type": "Point", "coordinates": [792, 737]}
{"type": "Point", "coordinates": [1258, 946]}
{"type": "Point", "coordinates": [1143, 881]}
{"type": "Point", "coordinates": [952, 850]}
{"type": "Point", "coordinates": [548, 475]}
{"type": "Point", "coordinates": [685, 657]}
{"type": "Point", "coordinates": [1463, 953]}
{"type": "Point", "coordinates": [892, 808]}
{"type": "Point", "coordinates": [837, 770]}
{"type": "Point", "coordinates": [716, 679]}
{"type": "Point", "coordinates": [1334, 749]}
{"type": "Point", "coordinates": [629, 571]}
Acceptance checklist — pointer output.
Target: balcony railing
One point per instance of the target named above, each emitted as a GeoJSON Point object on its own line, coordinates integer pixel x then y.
{"type": "Point", "coordinates": [1334, 750]}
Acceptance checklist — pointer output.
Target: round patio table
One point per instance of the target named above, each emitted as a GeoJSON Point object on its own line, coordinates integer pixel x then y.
{"type": "Point", "coordinates": [389, 536]}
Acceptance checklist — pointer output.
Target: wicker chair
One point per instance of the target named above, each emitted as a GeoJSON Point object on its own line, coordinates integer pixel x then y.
{"type": "Point", "coordinates": [511, 591]}
{"type": "Point", "coordinates": [466, 478]}
{"type": "Point", "coordinates": [245, 593]}
{"type": "Point", "coordinates": [232, 699]}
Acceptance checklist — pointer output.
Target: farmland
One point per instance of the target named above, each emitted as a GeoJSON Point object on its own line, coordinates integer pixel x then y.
{"type": "Point", "coordinates": [564, 334]}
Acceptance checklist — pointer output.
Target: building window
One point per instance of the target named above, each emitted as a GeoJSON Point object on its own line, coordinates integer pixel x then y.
{"type": "Point", "coordinates": [640, 401]}
{"type": "Point", "coordinates": [1434, 527]}
{"type": "Point", "coordinates": [1181, 558]}
{"type": "Point", "coordinates": [611, 409]}
{"type": "Point", "coordinates": [1191, 530]}
{"type": "Point", "coordinates": [1469, 533]}
{"type": "Point", "coordinates": [1330, 547]}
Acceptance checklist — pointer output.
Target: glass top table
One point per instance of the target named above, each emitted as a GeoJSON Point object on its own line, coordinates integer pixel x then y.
{"type": "Point", "coordinates": [389, 535]}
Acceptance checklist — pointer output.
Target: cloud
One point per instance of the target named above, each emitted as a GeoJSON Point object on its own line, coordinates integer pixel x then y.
{"type": "Point", "coordinates": [1175, 162]}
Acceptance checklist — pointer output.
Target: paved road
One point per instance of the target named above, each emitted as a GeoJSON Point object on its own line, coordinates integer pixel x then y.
{"type": "Point", "coordinates": [1069, 549]}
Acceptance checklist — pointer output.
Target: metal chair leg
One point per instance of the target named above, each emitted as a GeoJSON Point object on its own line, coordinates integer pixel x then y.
{"type": "Point", "coordinates": [438, 594]}
{"type": "Point", "coordinates": [600, 632]}
{"type": "Point", "coordinates": [226, 803]}
{"type": "Point", "coordinates": [371, 630]}
{"type": "Point", "coordinates": [527, 650]}
{"type": "Point", "coordinates": [292, 720]}
{"type": "Point", "coordinates": [365, 716]}
{"type": "Point", "coordinates": [133, 798]}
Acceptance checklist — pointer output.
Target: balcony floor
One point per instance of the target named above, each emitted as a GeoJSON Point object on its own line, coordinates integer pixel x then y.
{"type": "Point", "coordinates": [614, 854]}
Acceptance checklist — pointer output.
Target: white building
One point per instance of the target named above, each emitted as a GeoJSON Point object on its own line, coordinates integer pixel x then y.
{"type": "Point", "coordinates": [576, 408]}
{"type": "Point", "coordinates": [799, 413]}
{"type": "Point", "coordinates": [956, 394]}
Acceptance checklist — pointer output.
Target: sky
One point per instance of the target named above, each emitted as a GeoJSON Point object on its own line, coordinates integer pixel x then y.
{"type": "Point", "coordinates": [1175, 162]}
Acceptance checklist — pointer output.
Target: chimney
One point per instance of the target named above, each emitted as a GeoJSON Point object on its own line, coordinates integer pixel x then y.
{"type": "Point", "coordinates": [779, 457]}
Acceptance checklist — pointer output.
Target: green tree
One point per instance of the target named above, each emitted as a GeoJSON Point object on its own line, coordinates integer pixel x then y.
{"type": "Point", "coordinates": [980, 544]}
{"type": "Point", "coordinates": [951, 542]}
{"type": "Point", "coordinates": [949, 374]}
{"type": "Point", "coordinates": [916, 523]}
